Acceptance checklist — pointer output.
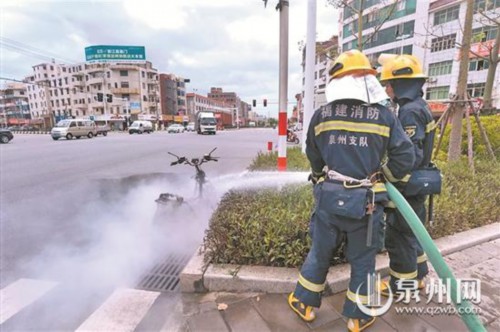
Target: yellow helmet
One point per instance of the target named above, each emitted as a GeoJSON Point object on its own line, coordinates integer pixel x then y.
{"type": "Point", "coordinates": [350, 62]}
{"type": "Point", "coordinates": [401, 66]}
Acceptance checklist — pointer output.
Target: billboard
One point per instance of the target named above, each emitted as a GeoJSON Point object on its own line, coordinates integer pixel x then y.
{"type": "Point", "coordinates": [115, 53]}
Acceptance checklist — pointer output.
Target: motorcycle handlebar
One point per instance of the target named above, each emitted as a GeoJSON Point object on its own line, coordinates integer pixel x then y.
{"type": "Point", "coordinates": [184, 160]}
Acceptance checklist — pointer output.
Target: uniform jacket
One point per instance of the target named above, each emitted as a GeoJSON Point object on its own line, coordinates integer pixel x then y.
{"type": "Point", "coordinates": [352, 138]}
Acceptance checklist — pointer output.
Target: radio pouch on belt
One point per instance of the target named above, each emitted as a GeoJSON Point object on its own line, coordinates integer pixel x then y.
{"type": "Point", "coordinates": [424, 181]}
{"type": "Point", "coordinates": [339, 200]}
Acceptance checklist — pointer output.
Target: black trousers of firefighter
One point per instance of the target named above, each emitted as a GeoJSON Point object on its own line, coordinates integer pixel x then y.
{"type": "Point", "coordinates": [407, 258]}
{"type": "Point", "coordinates": [328, 230]}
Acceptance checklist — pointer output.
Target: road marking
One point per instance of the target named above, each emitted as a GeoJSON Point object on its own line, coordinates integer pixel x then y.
{"type": "Point", "coordinates": [122, 311]}
{"type": "Point", "coordinates": [20, 294]}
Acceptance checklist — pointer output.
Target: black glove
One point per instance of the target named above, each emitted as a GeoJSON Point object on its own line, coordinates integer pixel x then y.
{"type": "Point", "coordinates": [314, 177]}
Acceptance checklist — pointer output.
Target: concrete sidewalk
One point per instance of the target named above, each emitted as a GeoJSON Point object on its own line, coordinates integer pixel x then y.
{"type": "Point", "coordinates": [222, 311]}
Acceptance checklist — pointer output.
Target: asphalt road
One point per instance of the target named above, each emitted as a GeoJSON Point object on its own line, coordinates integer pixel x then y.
{"type": "Point", "coordinates": [51, 191]}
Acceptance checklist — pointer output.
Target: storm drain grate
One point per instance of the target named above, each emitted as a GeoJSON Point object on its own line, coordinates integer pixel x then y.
{"type": "Point", "coordinates": [165, 276]}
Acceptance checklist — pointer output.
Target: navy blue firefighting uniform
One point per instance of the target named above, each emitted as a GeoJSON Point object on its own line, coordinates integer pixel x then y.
{"type": "Point", "coordinates": [351, 138]}
{"type": "Point", "coordinates": [407, 259]}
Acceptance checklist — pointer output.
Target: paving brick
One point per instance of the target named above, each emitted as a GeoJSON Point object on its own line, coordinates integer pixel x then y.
{"type": "Point", "coordinates": [207, 321]}
{"type": "Point", "coordinates": [441, 322]}
{"type": "Point", "coordinates": [275, 311]}
{"type": "Point", "coordinates": [493, 248]}
{"type": "Point", "coordinates": [336, 325]}
{"type": "Point", "coordinates": [406, 322]}
{"type": "Point", "coordinates": [324, 315]}
{"type": "Point", "coordinates": [336, 301]}
{"type": "Point", "coordinates": [242, 316]}
{"type": "Point", "coordinates": [494, 326]}
{"type": "Point", "coordinates": [488, 272]}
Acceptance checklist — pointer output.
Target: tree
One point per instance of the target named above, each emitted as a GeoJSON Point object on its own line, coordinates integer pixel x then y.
{"type": "Point", "coordinates": [490, 19]}
{"type": "Point", "coordinates": [358, 7]}
{"type": "Point", "coordinates": [461, 95]}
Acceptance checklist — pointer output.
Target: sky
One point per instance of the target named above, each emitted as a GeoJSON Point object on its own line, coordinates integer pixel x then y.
{"type": "Point", "coordinates": [232, 44]}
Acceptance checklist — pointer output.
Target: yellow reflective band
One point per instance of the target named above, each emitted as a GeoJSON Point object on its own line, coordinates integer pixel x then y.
{"type": "Point", "coordinates": [352, 296]}
{"type": "Point", "coordinates": [359, 127]}
{"type": "Point", "coordinates": [388, 174]}
{"type": "Point", "coordinates": [406, 178]}
{"type": "Point", "coordinates": [379, 187]}
{"type": "Point", "coordinates": [430, 126]}
{"type": "Point", "coordinates": [421, 258]}
{"type": "Point", "coordinates": [311, 286]}
{"type": "Point", "coordinates": [411, 275]}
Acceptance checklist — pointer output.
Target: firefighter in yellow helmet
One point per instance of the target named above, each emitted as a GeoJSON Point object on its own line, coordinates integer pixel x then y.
{"type": "Point", "coordinates": [403, 77]}
{"type": "Point", "coordinates": [346, 141]}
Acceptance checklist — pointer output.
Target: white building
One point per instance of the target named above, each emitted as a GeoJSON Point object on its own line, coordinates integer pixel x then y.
{"type": "Point", "coordinates": [430, 30]}
{"type": "Point", "coordinates": [110, 92]}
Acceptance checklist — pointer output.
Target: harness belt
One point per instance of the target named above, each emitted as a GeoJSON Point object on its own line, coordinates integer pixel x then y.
{"type": "Point", "coordinates": [350, 183]}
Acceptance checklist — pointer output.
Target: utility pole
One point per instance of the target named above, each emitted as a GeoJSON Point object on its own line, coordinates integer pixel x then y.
{"type": "Point", "coordinates": [47, 100]}
{"type": "Point", "coordinates": [309, 70]}
{"type": "Point", "coordinates": [283, 7]}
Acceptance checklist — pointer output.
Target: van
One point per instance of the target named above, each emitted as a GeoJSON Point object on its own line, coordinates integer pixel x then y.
{"type": "Point", "coordinates": [70, 128]}
{"type": "Point", "coordinates": [139, 127]}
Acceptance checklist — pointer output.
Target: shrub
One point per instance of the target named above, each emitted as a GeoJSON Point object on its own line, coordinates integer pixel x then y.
{"type": "Point", "coordinates": [491, 125]}
{"type": "Point", "coordinates": [270, 227]}
{"type": "Point", "coordinates": [296, 161]}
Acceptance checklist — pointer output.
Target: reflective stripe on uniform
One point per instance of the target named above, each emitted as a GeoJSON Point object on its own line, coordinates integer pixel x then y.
{"type": "Point", "coordinates": [379, 187]}
{"type": "Point", "coordinates": [422, 258]}
{"type": "Point", "coordinates": [430, 126]}
{"type": "Point", "coordinates": [411, 275]}
{"type": "Point", "coordinates": [406, 178]}
{"type": "Point", "coordinates": [361, 127]}
{"type": "Point", "coordinates": [388, 174]}
{"type": "Point", "coordinates": [318, 288]}
{"type": "Point", "coordinates": [352, 296]}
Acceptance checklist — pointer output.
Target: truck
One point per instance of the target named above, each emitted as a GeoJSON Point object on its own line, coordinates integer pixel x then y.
{"type": "Point", "coordinates": [206, 123]}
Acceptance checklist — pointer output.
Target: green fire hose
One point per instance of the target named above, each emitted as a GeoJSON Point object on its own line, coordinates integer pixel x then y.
{"type": "Point", "coordinates": [437, 261]}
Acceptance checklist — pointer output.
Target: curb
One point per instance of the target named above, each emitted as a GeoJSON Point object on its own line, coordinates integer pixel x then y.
{"type": "Point", "coordinates": [197, 278]}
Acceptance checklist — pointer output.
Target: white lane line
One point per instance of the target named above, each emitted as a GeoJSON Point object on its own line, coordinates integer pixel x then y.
{"type": "Point", "coordinates": [122, 311]}
{"type": "Point", "coordinates": [20, 294]}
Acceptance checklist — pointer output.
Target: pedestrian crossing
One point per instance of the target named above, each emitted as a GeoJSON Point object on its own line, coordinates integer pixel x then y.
{"type": "Point", "coordinates": [122, 309]}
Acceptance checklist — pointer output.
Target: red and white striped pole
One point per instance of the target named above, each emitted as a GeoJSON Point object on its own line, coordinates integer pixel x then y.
{"type": "Point", "coordinates": [283, 85]}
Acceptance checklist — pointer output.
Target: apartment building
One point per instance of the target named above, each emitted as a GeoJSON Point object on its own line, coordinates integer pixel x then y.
{"type": "Point", "coordinates": [430, 30]}
{"type": "Point", "coordinates": [14, 105]}
{"type": "Point", "coordinates": [240, 108]}
{"type": "Point", "coordinates": [326, 52]}
{"type": "Point", "coordinates": [197, 103]}
{"type": "Point", "coordinates": [173, 95]}
{"type": "Point", "coordinates": [107, 91]}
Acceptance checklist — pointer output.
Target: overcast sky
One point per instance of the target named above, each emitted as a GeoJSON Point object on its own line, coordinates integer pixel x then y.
{"type": "Point", "coordinates": [233, 44]}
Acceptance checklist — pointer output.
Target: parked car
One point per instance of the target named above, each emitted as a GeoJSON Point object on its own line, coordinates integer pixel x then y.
{"type": "Point", "coordinates": [102, 130]}
{"type": "Point", "coordinates": [175, 128]}
{"type": "Point", "coordinates": [190, 126]}
{"type": "Point", "coordinates": [5, 135]}
{"type": "Point", "coordinates": [14, 128]}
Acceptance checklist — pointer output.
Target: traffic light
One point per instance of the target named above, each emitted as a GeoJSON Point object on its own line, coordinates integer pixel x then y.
{"type": "Point", "coordinates": [99, 97]}
{"type": "Point", "coordinates": [265, 102]}
{"type": "Point", "coordinates": [109, 98]}
{"type": "Point", "coordinates": [254, 103]}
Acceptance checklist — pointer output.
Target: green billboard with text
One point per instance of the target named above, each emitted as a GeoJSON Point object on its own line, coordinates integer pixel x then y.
{"type": "Point", "coordinates": [115, 53]}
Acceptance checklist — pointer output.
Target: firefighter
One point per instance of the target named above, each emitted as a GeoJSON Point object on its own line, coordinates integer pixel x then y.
{"type": "Point", "coordinates": [403, 77]}
{"type": "Point", "coordinates": [346, 141]}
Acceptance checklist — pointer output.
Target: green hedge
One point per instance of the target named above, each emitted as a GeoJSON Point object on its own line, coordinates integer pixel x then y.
{"type": "Point", "coordinates": [491, 125]}
{"type": "Point", "coordinates": [270, 227]}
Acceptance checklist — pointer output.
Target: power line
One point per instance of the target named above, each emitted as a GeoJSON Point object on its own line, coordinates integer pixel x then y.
{"type": "Point", "coordinates": [32, 51]}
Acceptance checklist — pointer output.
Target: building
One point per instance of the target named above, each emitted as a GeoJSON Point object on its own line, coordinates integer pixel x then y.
{"type": "Point", "coordinates": [231, 100]}
{"type": "Point", "coordinates": [326, 52]}
{"type": "Point", "coordinates": [197, 103]}
{"type": "Point", "coordinates": [112, 90]}
{"type": "Point", "coordinates": [173, 98]}
{"type": "Point", "coordinates": [14, 105]}
{"type": "Point", "coordinates": [430, 30]}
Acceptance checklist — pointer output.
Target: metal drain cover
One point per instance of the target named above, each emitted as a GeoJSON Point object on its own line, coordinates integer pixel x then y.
{"type": "Point", "coordinates": [165, 276]}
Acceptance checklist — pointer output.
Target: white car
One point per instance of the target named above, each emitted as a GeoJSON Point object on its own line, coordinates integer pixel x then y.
{"type": "Point", "coordinates": [190, 126]}
{"type": "Point", "coordinates": [175, 128]}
